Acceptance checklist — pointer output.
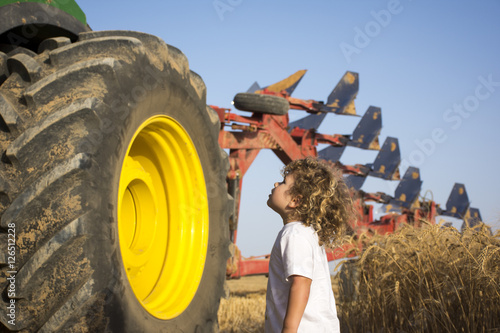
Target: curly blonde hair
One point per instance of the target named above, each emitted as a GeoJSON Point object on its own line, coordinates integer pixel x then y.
{"type": "Point", "coordinates": [325, 202]}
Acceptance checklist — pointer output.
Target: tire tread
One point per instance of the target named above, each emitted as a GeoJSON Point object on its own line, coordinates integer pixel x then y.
{"type": "Point", "coordinates": [27, 67]}
{"type": "Point", "coordinates": [9, 116]}
{"type": "Point", "coordinates": [57, 85]}
{"type": "Point", "coordinates": [79, 162]}
{"type": "Point", "coordinates": [24, 148]}
{"type": "Point", "coordinates": [121, 48]}
{"type": "Point", "coordinates": [261, 103]}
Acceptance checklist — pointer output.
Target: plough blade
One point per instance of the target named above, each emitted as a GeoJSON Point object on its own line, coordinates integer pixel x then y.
{"type": "Point", "coordinates": [458, 202]}
{"type": "Point", "coordinates": [392, 208]}
{"type": "Point", "coordinates": [331, 153]}
{"type": "Point", "coordinates": [289, 84]}
{"type": "Point", "coordinates": [341, 99]}
{"type": "Point", "coordinates": [354, 182]}
{"type": "Point", "coordinates": [386, 165]}
{"type": "Point", "coordinates": [407, 192]}
{"type": "Point", "coordinates": [253, 88]}
{"type": "Point", "coordinates": [472, 217]}
{"type": "Point", "coordinates": [309, 122]}
{"type": "Point", "coordinates": [366, 134]}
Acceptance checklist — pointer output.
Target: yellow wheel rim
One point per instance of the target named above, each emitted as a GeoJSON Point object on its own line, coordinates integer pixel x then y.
{"type": "Point", "coordinates": [163, 217]}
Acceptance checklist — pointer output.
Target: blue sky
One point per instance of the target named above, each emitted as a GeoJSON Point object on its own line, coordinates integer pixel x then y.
{"type": "Point", "coordinates": [433, 67]}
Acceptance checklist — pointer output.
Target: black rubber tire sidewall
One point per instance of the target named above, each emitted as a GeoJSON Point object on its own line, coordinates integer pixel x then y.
{"type": "Point", "coordinates": [258, 103]}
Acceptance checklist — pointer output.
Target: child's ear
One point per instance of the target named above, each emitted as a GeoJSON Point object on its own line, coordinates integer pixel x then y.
{"type": "Point", "coordinates": [294, 203]}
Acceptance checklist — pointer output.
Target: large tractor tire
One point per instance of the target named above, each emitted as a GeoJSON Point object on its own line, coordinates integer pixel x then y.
{"type": "Point", "coordinates": [113, 182]}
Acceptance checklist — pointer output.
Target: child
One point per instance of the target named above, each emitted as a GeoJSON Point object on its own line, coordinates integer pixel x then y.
{"type": "Point", "coordinates": [315, 206]}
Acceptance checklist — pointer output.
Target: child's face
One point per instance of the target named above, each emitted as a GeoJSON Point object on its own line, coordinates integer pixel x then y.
{"type": "Point", "coordinates": [280, 199]}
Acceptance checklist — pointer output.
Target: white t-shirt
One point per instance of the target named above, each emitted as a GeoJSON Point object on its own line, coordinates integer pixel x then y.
{"type": "Point", "coordinates": [296, 252]}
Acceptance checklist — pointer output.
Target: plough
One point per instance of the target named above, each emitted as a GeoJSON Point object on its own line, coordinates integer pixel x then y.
{"type": "Point", "coordinates": [268, 127]}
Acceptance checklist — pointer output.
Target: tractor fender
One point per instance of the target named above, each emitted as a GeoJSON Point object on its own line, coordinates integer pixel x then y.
{"type": "Point", "coordinates": [27, 24]}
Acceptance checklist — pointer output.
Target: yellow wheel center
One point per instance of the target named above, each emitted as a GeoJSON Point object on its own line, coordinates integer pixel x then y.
{"type": "Point", "coordinates": [163, 217]}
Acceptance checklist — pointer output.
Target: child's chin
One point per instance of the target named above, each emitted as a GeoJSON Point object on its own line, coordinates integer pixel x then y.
{"type": "Point", "coordinates": [269, 204]}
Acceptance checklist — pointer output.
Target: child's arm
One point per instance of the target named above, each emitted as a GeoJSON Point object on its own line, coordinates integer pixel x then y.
{"type": "Point", "coordinates": [297, 301]}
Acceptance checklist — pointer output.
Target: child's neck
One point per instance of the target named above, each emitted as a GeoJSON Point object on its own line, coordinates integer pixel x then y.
{"type": "Point", "coordinates": [286, 221]}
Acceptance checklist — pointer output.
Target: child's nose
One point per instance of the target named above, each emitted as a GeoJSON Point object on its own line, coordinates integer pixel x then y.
{"type": "Point", "coordinates": [276, 184]}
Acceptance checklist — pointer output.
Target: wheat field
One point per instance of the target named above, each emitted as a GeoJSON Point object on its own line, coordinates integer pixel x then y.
{"type": "Point", "coordinates": [431, 279]}
{"type": "Point", "coordinates": [243, 311]}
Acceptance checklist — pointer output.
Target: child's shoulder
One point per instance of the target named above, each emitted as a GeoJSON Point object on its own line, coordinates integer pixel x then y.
{"type": "Point", "coordinates": [298, 232]}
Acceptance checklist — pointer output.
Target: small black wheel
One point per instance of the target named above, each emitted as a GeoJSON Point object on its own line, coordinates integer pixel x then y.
{"type": "Point", "coordinates": [261, 103]}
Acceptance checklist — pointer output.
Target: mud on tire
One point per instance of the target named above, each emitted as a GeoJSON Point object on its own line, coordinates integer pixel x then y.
{"type": "Point", "coordinates": [72, 119]}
